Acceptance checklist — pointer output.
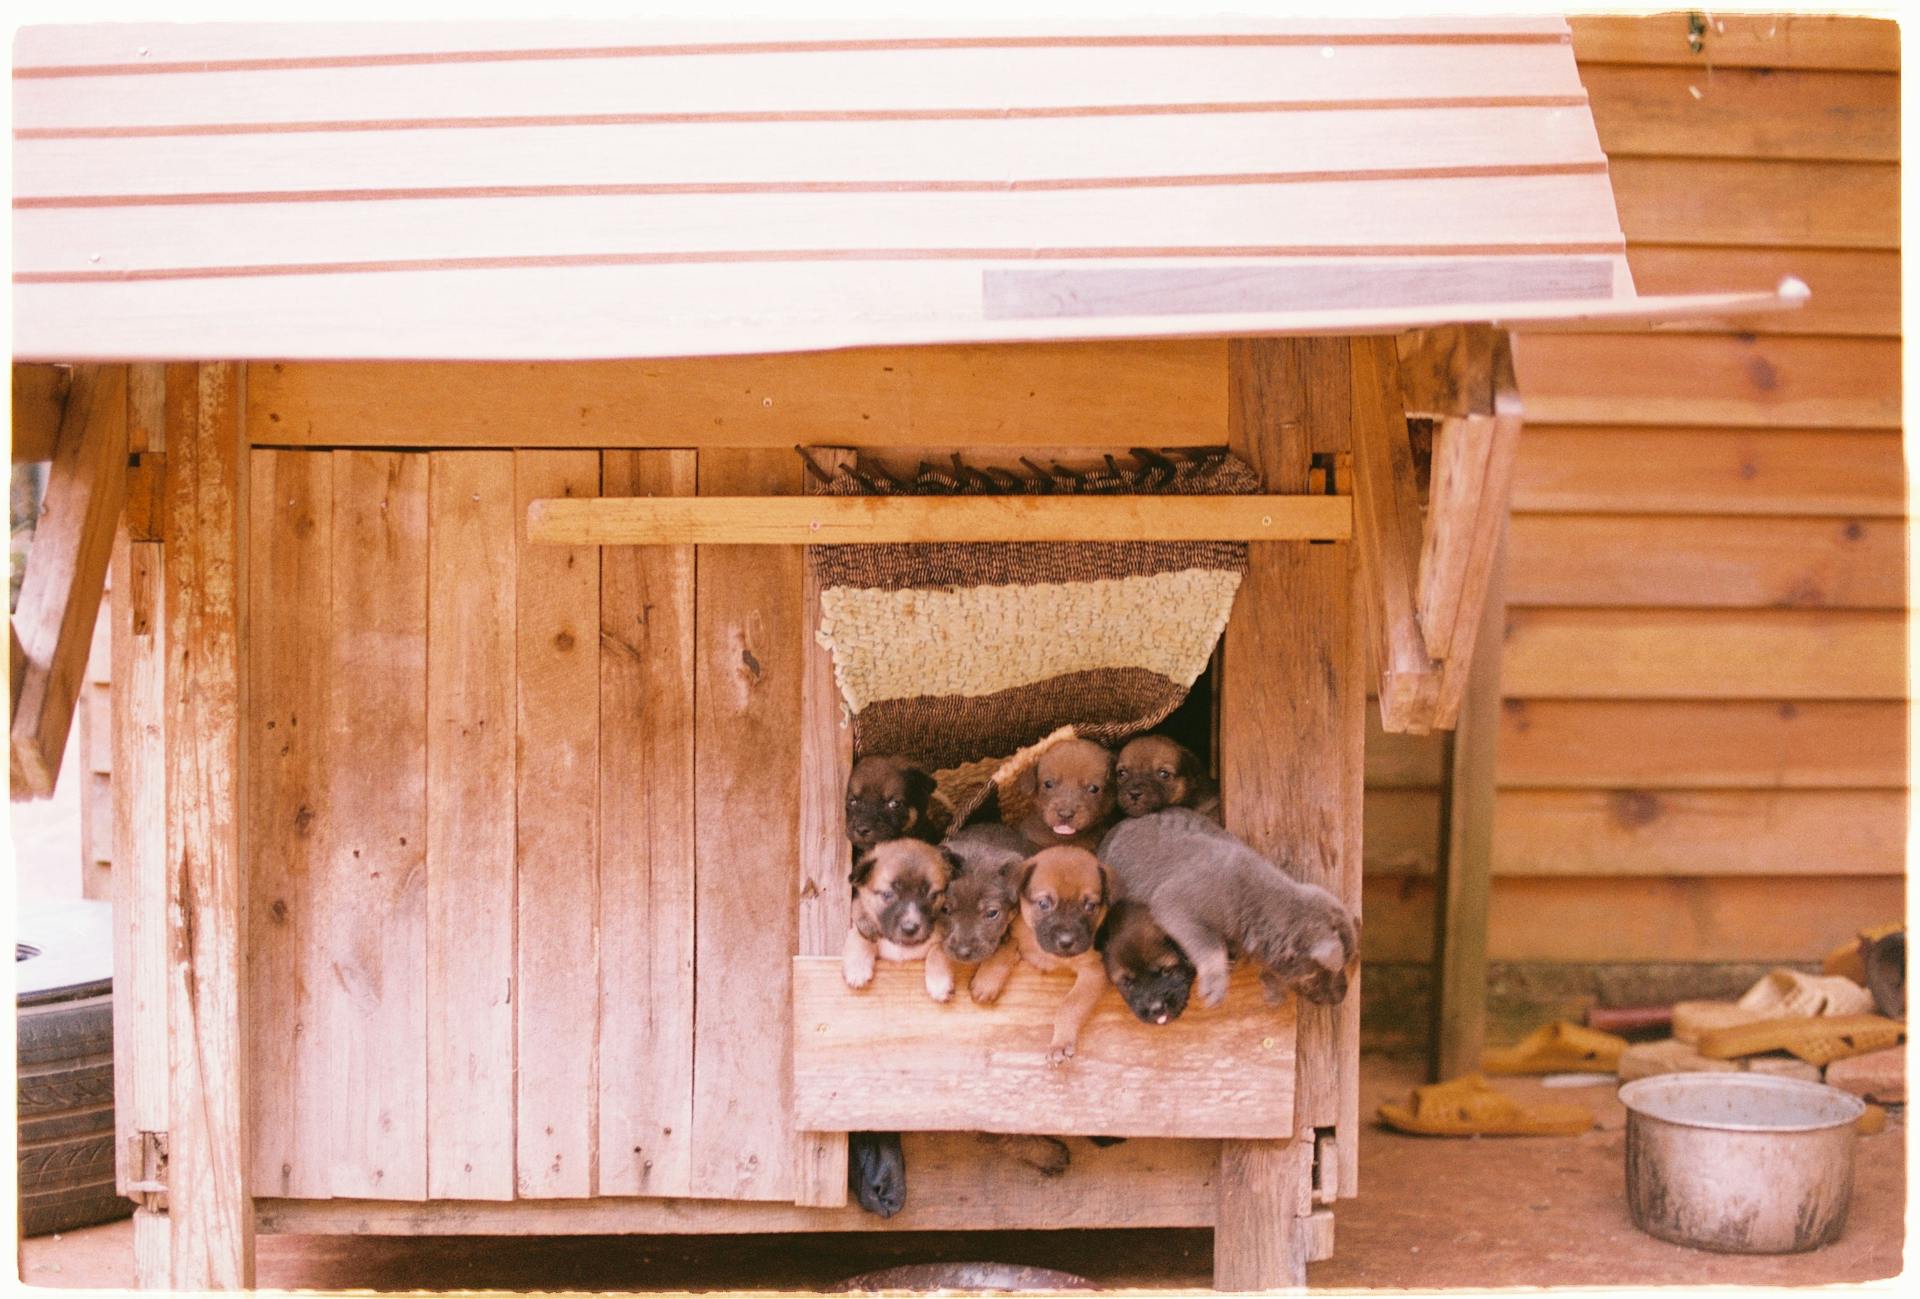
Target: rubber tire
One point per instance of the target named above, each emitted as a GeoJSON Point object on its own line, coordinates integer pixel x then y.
{"type": "Point", "coordinates": [66, 1110]}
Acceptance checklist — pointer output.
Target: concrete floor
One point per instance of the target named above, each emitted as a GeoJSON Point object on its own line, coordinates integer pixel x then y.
{"type": "Point", "coordinates": [1432, 1213]}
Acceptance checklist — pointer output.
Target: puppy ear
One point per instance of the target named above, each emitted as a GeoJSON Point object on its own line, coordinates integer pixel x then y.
{"type": "Point", "coordinates": [1022, 874]}
{"type": "Point", "coordinates": [1189, 764]}
{"type": "Point", "coordinates": [862, 867]}
{"type": "Point", "coordinates": [1329, 954]}
{"type": "Point", "coordinates": [1029, 778]}
{"type": "Point", "coordinates": [956, 864]}
{"type": "Point", "coordinates": [1106, 885]}
{"type": "Point", "coordinates": [920, 786]}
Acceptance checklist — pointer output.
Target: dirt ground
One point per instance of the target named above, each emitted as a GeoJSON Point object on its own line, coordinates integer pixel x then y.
{"type": "Point", "coordinates": [1432, 1213]}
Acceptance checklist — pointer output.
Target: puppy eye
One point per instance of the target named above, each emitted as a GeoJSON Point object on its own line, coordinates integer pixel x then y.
{"type": "Point", "coordinates": [885, 895]}
{"type": "Point", "coordinates": [1093, 789]}
{"type": "Point", "coordinates": [991, 913]}
{"type": "Point", "coordinates": [893, 804]}
{"type": "Point", "coordinates": [1121, 772]}
{"type": "Point", "coordinates": [1046, 784]}
{"type": "Point", "coordinates": [1089, 904]}
{"type": "Point", "coordinates": [1165, 774]}
{"type": "Point", "coordinates": [1045, 904]}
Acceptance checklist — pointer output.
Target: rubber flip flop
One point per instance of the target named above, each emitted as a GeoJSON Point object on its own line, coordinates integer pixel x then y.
{"type": "Point", "coordinates": [1817, 1039]}
{"type": "Point", "coordinates": [1560, 1047]}
{"type": "Point", "coordinates": [1784, 993]}
{"type": "Point", "coordinates": [1469, 1107]}
{"type": "Point", "coordinates": [1694, 1019]}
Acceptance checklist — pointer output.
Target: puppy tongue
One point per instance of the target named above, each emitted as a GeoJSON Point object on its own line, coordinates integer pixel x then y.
{"type": "Point", "coordinates": [1063, 828]}
{"type": "Point", "coordinates": [1161, 1018]}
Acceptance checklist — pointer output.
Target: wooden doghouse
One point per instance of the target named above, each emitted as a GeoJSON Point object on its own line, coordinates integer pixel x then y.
{"type": "Point", "coordinates": [482, 855]}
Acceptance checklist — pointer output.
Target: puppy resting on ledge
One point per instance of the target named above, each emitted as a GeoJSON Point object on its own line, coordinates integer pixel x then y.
{"type": "Point", "coordinates": [1064, 894]}
{"type": "Point", "coordinates": [897, 890]}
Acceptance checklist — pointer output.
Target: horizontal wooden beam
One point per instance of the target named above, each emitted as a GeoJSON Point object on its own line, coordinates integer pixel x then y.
{"type": "Point", "coordinates": [799, 520]}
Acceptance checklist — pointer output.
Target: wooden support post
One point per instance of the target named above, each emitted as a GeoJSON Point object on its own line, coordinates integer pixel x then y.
{"type": "Point", "coordinates": [39, 402]}
{"type": "Point", "coordinates": [1466, 849]}
{"type": "Point", "coordinates": [1290, 769]}
{"type": "Point", "coordinates": [826, 755]}
{"type": "Point", "coordinates": [66, 573]}
{"type": "Point", "coordinates": [209, 1196]}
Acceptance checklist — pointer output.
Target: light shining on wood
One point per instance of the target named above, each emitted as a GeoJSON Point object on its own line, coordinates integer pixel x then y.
{"type": "Point", "coordinates": [786, 521]}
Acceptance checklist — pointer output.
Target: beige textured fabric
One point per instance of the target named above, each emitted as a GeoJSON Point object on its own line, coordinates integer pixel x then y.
{"type": "Point", "coordinates": [977, 640]}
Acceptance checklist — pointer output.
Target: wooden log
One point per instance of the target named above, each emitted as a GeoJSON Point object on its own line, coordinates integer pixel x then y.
{"type": "Point", "coordinates": [290, 973]}
{"type": "Point", "coordinates": [557, 892]}
{"type": "Point", "coordinates": [209, 1175]}
{"type": "Point", "coordinates": [646, 844]}
{"type": "Point", "coordinates": [67, 569]}
{"type": "Point", "coordinates": [142, 1060]}
{"type": "Point", "coordinates": [1387, 533]}
{"type": "Point", "coordinates": [1465, 876]}
{"type": "Point", "coordinates": [472, 609]}
{"type": "Point", "coordinates": [40, 394]}
{"type": "Point", "coordinates": [749, 671]}
{"type": "Point", "coordinates": [869, 1060]}
{"type": "Point", "coordinates": [826, 755]}
{"type": "Point", "coordinates": [959, 1183]}
{"type": "Point", "coordinates": [771, 521]}
{"type": "Point", "coordinates": [1051, 394]}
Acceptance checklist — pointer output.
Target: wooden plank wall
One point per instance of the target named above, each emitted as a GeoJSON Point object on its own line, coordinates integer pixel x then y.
{"type": "Point", "coordinates": [1703, 731]}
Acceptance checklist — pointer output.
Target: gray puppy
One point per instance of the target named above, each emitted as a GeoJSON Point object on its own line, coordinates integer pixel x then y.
{"type": "Point", "coordinates": [984, 897]}
{"type": "Point", "coordinates": [1212, 893]}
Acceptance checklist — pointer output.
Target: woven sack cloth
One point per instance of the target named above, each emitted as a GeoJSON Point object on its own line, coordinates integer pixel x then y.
{"type": "Point", "coordinates": [964, 657]}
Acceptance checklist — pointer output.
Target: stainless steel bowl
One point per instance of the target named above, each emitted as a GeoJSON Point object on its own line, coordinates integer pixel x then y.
{"type": "Point", "coordinates": [1740, 1163]}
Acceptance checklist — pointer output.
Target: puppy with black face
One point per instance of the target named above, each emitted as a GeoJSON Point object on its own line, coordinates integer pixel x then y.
{"type": "Point", "coordinates": [1071, 788]}
{"type": "Point", "coordinates": [1153, 975]}
{"type": "Point", "coordinates": [1064, 894]}
{"type": "Point", "coordinates": [890, 798]}
{"type": "Point", "coordinates": [981, 901]}
{"type": "Point", "coordinates": [898, 889]}
{"type": "Point", "coordinates": [1153, 772]}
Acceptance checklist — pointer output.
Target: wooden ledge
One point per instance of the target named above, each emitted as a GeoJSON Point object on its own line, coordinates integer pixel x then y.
{"type": "Point", "coordinates": [800, 520]}
{"type": "Point", "coordinates": [889, 1058]}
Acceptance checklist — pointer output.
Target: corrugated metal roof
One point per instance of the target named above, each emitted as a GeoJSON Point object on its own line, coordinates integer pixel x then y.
{"type": "Point", "coordinates": [536, 191]}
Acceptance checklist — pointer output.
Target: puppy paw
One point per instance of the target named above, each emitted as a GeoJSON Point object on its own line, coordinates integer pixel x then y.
{"type": "Point", "coordinates": [1061, 1052]}
{"type": "Point", "coordinates": [1210, 987]}
{"type": "Point", "coordinates": [985, 988]}
{"type": "Point", "coordinates": [857, 969]}
{"type": "Point", "coordinates": [1274, 988]}
{"type": "Point", "coordinates": [939, 986]}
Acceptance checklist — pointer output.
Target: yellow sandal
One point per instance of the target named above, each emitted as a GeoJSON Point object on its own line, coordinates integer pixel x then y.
{"type": "Point", "coordinates": [1469, 1107]}
{"type": "Point", "coordinates": [1560, 1047]}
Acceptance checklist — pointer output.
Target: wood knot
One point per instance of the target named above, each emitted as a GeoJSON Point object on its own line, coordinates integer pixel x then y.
{"type": "Point", "coordinates": [278, 911]}
{"type": "Point", "coordinates": [1634, 808]}
{"type": "Point", "coordinates": [750, 663]}
{"type": "Point", "coordinates": [563, 642]}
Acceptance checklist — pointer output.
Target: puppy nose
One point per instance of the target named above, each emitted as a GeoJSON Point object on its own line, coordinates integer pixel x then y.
{"type": "Point", "coordinates": [910, 927]}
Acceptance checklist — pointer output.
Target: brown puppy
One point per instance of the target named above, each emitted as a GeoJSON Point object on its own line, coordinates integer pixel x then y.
{"type": "Point", "coordinates": [1153, 975]}
{"type": "Point", "coordinates": [1064, 893]}
{"type": "Point", "coordinates": [898, 888]}
{"type": "Point", "coordinates": [982, 900]}
{"type": "Point", "coordinates": [1153, 772]}
{"type": "Point", "coordinates": [1071, 787]}
{"type": "Point", "coordinates": [890, 798]}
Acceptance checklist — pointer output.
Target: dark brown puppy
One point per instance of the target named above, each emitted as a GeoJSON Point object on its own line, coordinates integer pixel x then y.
{"type": "Point", "coordinates": [890, 798]}
{"type": "Point", "coordinates": [981, 901]}
{"type": "Point", "coordinates": [1153, 975]}
{"type": "Point", "coordinates": [1153, 772]}
{"type": "Point", "coordinates": [1071, 787]}
{"type": "Point", "coordinates": [898, 888]}
{"type": "Point", "coordinates": [1064, 894]}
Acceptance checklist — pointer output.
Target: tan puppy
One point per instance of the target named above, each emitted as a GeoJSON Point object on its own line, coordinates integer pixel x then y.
{"type": "Point", "coordinates": [1071, 788]}
{"type": "Point", "coordinates": [1064, 893]}
{"type": "Point", "coordinates": [898, 887]}
{"type": "Point", "coordinates": [1153, 772]}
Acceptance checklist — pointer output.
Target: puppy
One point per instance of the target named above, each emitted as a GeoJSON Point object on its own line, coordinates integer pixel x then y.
{"type": "Point", "coordinates": [1153, 975]}
{"type": "Point", "coordinates": [981, 901]}
{"type": "Point", "coordinates": [1210, 891]}
{"type": "Point", "coordinates": [1064, 893]}
{"type": "Point", "coordinates": [877, 1172]}
{"type": "Point", "coordinates": [898, 888]}
{"type": "Point", "coordinates": [1153, 772]}
{"type": "Point", "coordinates": [890, 798]}
{"type": "Point", "coordinates": [1071, 788]}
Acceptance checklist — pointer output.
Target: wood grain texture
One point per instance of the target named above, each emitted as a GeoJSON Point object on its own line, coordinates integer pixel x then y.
{"type": "Point", "coordinates": [826, 754]}
{"type": "Point", "coordinates": [1261, 1237]}
{"type": "Point", "coordinates": [1397, 761]}
{"type": "Point", "coordinates": [765, 521]}
{"type": "Point", "coordinates": [960, 1182]}
{"type": "Point", "coordinates": [373, 901]}
{"type": "Point", "coordinates": [140, 936]}
{"type": "Point", "coordinates": [1742, 41]}
{"type": "Point", "coordinates": [1733, 380]}
{"type": "Point", "coordinates": [1641, 471]}
{"type": "Point", "coordinates": [646, 830]}
{"type": "Point", "coordinates": [472, 603]}
{"type": "Point", "coordinates": [1705, 654]}
{"type": "Point", "coordinates": [1855, 291]}
{"type": "Point", "coordinates": [209, 1173]}
{"type": "Point", "coordinates": [748, 673]}
{"type": "Point", "coordinates": [1679, 919]}
{"type": "Point", "coordinates": [59, 601]}
{"type": "Point", "coordinates": [869, 1061]}
{"type": "Point", "coordinates": [1058, 394]}
{"type": "Point", "coordinates": [290, 600]}
{"type": "Point", "coordinates": [1666, 111]}
{"type": "Point", "coordinates": [1702, 744]}
{"type": "Point", "coordinates": [1690, 562]}
{"type": "Point", "coordinates": [39, 404]}
{"type": "Point", "coordinates": [1743, 201]}
{"type": "Point", "coordinates": [556, 889]}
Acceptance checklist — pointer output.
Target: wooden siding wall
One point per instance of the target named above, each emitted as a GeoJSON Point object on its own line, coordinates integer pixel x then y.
{"type": "Point", "coordinates": [1702, 755]}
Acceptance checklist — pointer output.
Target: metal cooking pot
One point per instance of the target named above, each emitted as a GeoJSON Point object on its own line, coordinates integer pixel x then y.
{"type": "Point", "coordinates": [1740, 1163]}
